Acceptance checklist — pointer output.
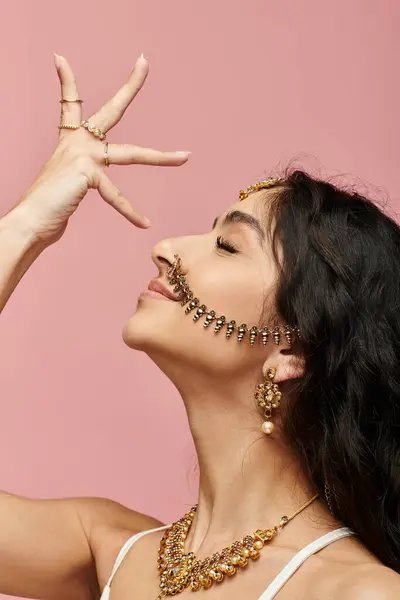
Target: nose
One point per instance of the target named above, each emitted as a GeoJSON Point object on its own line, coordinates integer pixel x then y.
{"type": "Point", "coordinates": [163, 255]}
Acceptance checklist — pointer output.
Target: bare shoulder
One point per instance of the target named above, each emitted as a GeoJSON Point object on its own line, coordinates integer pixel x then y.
{"type": "Point", "coordinates": [99, 513]}
{"type": "Point", "coordinates": [347, 570]}
{"type": "Point", "coordinates": [370, 582]}
{"type": "Point", "coordinates": [108, 525]}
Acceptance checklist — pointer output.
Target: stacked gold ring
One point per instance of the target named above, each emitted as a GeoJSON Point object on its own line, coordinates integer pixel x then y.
{"type": "Point", "coordinates": [106, 158]}
{"type": "Point", "coordinates": [68, 126]}
{"type": "Point", "coordinates": [71, 100]}
{"type": "Point", "coordinates": [93, 130]}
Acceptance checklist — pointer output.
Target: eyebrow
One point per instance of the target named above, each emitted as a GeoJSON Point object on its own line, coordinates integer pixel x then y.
{"type": "Point", "coordinates": [237, 216]}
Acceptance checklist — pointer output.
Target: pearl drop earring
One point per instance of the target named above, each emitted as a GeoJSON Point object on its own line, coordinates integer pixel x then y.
{"type": "Point", "coordinates": [268, 396]}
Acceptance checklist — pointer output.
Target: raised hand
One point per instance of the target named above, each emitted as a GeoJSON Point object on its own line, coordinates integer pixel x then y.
{"type": "Point", "coordinates": [81, 156]}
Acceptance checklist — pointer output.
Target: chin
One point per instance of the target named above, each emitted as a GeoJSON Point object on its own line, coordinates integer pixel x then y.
{"type": "Point", "coordinates": [148, 331]}
{"type": "Point", "coordinates": [136, 334]}
{"type": "Point", "coordinates": [168, 350]}
{"type": "Point", "coordinates": [154, 326]}
{"type": "Point", "coordinates": [166, 334]}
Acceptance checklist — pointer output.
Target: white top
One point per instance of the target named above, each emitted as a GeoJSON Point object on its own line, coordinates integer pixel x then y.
{"type": "Point", "coordinates": [273, 587]}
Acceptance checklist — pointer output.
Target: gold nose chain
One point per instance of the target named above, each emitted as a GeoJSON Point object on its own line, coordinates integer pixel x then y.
{"type": "Point", "coordinates": [185, 295]}
{"type": "Point", "coordinates": [179, 571]}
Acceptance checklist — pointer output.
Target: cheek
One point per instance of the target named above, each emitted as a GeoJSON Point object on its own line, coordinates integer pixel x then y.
{"type": "Point", "coordinates": [236, 293]}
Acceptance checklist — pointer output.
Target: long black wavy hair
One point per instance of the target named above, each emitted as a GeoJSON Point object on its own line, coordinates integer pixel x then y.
{"type": "Point", "coordinates": [338, 256]}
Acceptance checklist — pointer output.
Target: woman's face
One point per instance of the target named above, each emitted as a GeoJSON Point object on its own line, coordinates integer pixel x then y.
{"type": "Point", "coordinates": [233, 281]}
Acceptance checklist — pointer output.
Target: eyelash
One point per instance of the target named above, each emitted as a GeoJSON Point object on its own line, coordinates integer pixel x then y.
{"type": "Point", "coordinates": [225, 245]}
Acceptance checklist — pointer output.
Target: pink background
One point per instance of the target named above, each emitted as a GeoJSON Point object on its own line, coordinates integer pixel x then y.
{"type": "Point", "coordinates": [244, 85]}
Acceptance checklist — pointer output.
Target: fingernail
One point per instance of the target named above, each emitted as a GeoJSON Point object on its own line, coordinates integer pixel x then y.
{"type": "Point", "coordinates": [184, 152]}
{"type": "Point", "coordinates": [57, 59]}
{"type": "Point", "coordinates": [140, 59]}
{"type": "Point", "coordinates": [146, 221]}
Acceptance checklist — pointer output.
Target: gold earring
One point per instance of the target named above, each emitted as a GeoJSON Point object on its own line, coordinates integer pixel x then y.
{"type": "Point", "coordinates": [268, 396]}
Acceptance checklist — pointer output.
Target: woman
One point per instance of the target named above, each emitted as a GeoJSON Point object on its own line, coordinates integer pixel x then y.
{"type": "Point", "coordinates": [289, 374]}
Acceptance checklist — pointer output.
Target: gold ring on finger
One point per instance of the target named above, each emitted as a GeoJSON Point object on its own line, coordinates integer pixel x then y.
{"type": "Point", "coordinates": [71, 100]}
{"type": "Point", "coordinates": [68, 126]}
{"type": "Point", "coordinates": [106, 158]}
{"type": "Point", "coordinates": [93, 130]}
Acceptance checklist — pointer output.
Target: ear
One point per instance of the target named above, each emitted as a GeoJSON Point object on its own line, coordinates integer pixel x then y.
{"type": "Point", "coordinates": [288, 364]}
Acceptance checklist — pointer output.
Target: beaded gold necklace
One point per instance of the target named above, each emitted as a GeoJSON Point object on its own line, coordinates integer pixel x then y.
{"type": "Point", "coordinates": [179, 571]}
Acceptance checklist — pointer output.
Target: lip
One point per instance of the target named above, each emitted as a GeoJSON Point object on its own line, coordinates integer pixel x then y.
{"type": "Point", "coordinates": [159, 287]}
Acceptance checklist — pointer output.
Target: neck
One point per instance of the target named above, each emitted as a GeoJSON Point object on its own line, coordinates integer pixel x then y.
{"type": "Point", "coordinates": [247, 480]}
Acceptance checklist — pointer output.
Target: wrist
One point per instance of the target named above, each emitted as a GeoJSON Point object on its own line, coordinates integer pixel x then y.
{"type": "Point", "coordinates": [19, 224]}
{"type": "Point", "coordinates": [19, 248]}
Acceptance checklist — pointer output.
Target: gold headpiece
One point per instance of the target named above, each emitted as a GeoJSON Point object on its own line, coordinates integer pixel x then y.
{"type": "Point", "coordinates": [261, 185]}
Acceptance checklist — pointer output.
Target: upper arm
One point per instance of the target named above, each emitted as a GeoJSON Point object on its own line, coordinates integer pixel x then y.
{"type": "Point", "coordinates": [43, 549]}
{"type": "Point", "coordinates": [49, 548]}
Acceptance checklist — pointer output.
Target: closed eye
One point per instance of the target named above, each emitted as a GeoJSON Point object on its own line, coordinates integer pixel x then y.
{"type": "Point", "coordinates": [220, 242]}
{"type": "Point", "coordinates": [236, 216]}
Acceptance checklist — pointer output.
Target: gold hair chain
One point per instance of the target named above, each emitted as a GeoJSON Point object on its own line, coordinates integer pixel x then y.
{"type": "Point", "coordinates": [260, 185]}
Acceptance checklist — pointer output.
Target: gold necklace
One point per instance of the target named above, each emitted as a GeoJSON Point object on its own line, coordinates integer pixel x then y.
{"type": "Point", "coordinates": [179, 571]}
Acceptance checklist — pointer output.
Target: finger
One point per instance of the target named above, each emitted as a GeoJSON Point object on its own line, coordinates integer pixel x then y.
{"type": "Point", "coordinates": [112, 112]}
{"type": "Point", "coordinates": [126, 154]}
{"type": "Point", "coordinates": [71, 112]}
{"type": "Point", "coordinates": [112, 195]}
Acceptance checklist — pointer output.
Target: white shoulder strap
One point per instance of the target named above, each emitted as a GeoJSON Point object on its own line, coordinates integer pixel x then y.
{"type": "Point", "coordinates": [121, 555]}
{"type": "Point", "coordinates": [300, 557]}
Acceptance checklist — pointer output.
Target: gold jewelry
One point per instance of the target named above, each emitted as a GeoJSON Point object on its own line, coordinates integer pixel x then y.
{"type": "Point", "coordinates": [68, 126]}
{"type": "Point", "coordinates": [93, 130]}
{"type": "Point", "coordinates": [179, 570]}
{"type": "Point", "coordinates": [71, 100]}
{"type": "Point", "coordinates": [261, 185]}
{"type": "Point", "coordinates": [268, 396]}
{"type": "Point", "coordinates": [185, 295]}
{"type": "Point", "coordinates": [328, 496]}
{"type": "Point", "coordinates": [106, 159]}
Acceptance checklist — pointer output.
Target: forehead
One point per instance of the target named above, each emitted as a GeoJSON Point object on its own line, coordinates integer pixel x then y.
{"type": "Point", "coordinates": [256, 204]}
